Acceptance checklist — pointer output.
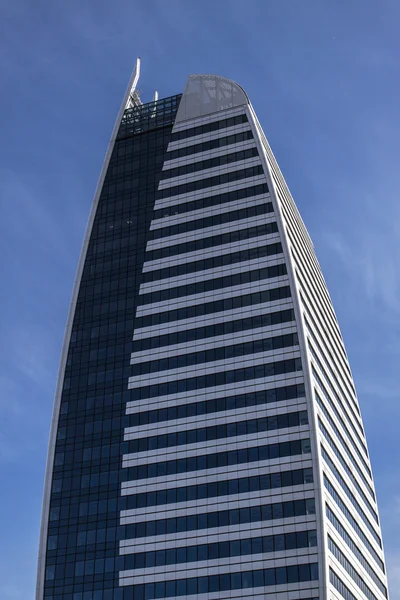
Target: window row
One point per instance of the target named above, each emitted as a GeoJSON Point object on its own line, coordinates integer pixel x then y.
{"type": "Point", "coordinates": [118, 263]}
{"type": "Point", "coordinates": [351, 496]}
{"type": "Point", "coordinates": [103, 424]}
{"type": "Point", "coordinates": [98, 534]}
{"type": "Point", "coordinates": [208, 127]}
{"type": "Point", "coordinates": [213, 262]}
{"type": "Point", "coordinates": [206, 407]}
{"type": "Point", "coordinates": [344, 443]}
{"type": "Point", "coordinates": [121, 243]}
{"type": "Point", "coordinates": [98, 381]}
{"type": "Point", "coordinates": [353, 522]}
{"type": "Point", "coordinates": [113, 328]}
{"type": "Point", "coordinates": [222, 487]}
{"type": "Point", "coordinates": [334, 408]}
{"type": "Point", "coordinates": [144, 186]}
{"type": "Point", "coordinates": [98, 566]}
{"type": "Point", "coordinates": [231, 237]}
{"type": "Point", "coordinates": [106, 593]}
{"type": "Point", "coordinates": [216, 460]}
{"type": "Point", "coordinates": [354, 549]}
{"type": "Point", "coordinates": [99, 453]}
{"type": "Point", "coordinates": [216, 306]}
{"type": "Point", "coordinates": [99, 479]}
{"type": "Point", "coordinates": [219, 550]}
{"type": "Point", "coordinates": [235, 138]}
{"type": "Point", "coordinates": [213, 201]}
{"type": "Point", "coordinates": [143, 146]}
{"type": "Point", "coordinates": [131, 168]}
{"type": "Point", "coordinates": [96, 376]}
{"type": "Point", "coordinates": [210, 285]}
{"type": "Point", "coordinates": [349, 470]}
{"type": "Point", "coordinates": [108, 453]}
{"type": "Point", "coordinates": [215, 354]}
{"type": "Point", "coordinates": [85, 321]}
{"type": "Point", "coordinates": [86, 568]}
{"type": "Point", "coordinates": [158, 123]}
{"type": "Point", "coordinates": [209, 163]}
{"type": "Point", "coordinates": [108, 287]}
{"type": "Point", "coordinates": [227, 581]}
{"type": "Point", "coordinates": [124, 205]}
{"type": "Point", "coordinates": [215, 379]}
{"type": "Point", "coordinates": [217, 432]}
{"type": "Point", "coordinates": [87, 418]}
{"type": "Point", "coordinates": [101, 354]}
{"type": "Point", "coordinates": [214, 330]}
{"type": "Point", "coordinates": [93, 404]}
{"type": "Point", "coordinates": [137, 169]}
{"type": "Point", "coordinates": [200, 184]}
{"type": "Point", "coordinates": [68, 479]}
{"type": "Point", "coordinates": [253, 210]}
{"type": "Point", "coordinates": [222, 518]}
{"type": "Point", "coordinates": [84, 509]}
{"type": "Point", "coordinates": [121, 224]}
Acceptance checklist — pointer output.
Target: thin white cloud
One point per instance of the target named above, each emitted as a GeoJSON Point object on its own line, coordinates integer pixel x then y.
{"type": "Point", "coordinates": [367, 248]}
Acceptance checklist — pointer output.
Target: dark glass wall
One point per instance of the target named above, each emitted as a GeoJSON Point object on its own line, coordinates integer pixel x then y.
{"type": "Point", "coordinates": [82, 560]}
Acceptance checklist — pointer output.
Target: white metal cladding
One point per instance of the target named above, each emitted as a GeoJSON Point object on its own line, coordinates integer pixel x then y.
{"type": "Point", "coordinates": [334, 422]}
{"type": "Point", "coordinates": [298, 461]}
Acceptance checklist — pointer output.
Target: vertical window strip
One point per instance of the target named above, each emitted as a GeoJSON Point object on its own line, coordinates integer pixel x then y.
{"type": "Point", "coordinates": [345, 466]}
{"type": "Point", "coordinates": [350, 494]}
{"type": "Point", "coordinates": [337, 397]}
{"type": "Point", "coordinates": [340, 557]}
{"type": "Point", "coordinates": [332, 491]}
{"type": "Point", "coordinates": [343, 442]}
{"type": "Point", "coordinates": [355, 549]}
{"type": "Point", "coordinates": [338, 416]}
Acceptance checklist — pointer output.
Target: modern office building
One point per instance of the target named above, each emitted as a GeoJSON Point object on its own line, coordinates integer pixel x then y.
{"type": "Point", "coordinates": [206, 441]}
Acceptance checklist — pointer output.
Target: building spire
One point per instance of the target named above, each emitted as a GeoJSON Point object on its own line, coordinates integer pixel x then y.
{"type": "Point", "coordinates": [134, 94]}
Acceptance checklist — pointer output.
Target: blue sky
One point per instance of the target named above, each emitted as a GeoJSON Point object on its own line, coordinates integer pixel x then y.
{"type": "Point", "coordinates": [323, 77]}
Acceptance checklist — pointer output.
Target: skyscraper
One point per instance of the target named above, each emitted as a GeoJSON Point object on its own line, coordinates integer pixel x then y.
{"type": "Point", "coordinates": [206, 440]}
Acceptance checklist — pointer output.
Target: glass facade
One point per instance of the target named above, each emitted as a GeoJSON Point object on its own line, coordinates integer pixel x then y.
{"type": "Point", "coordinates": [207, 440]}
{"type": "Point", "coordinates": [85, 497]}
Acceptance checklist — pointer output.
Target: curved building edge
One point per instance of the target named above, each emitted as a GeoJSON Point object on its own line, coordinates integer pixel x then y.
{"type": "Point", "coordinates": [325, 585]}
{"type": "Point", "coordinates": [315, 451]}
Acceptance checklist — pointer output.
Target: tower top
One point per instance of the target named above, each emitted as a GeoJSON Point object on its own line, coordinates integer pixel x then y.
{"type": "Point", "coordinates": [206, 94]}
